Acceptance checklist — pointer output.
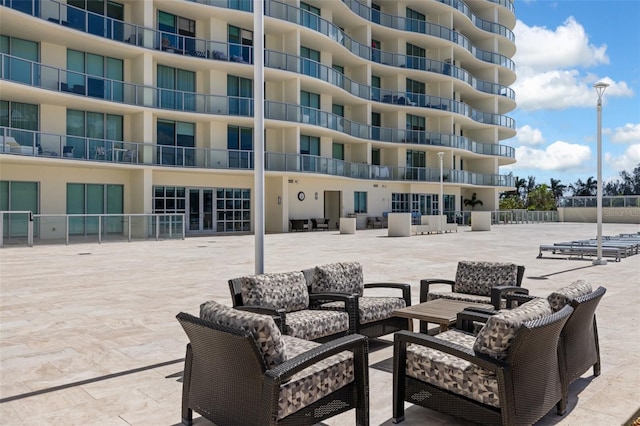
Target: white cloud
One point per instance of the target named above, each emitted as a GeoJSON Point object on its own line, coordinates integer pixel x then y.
{"type": "Point", "coordinates": [549, 64]}
{"type": "Point", "coordinates": [629, 133]}
{"type": "Point", "coordinates": [557, 156]}
{"type": "Point", "coordinates": [527, 135]}
{"type": "Point", "coordinates": [626, 161]}
{"type": "Point", "coordinates": [541, 49]}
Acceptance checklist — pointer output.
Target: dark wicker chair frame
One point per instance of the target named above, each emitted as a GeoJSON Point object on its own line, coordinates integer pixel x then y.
{"type": "Point", "coordinates": [528, 379]}
{"type": "Point", "coordinates": [280, 315]}
{"type": "Point", "coordinates": [226, 380]}
{"type": "Point", "coordinates": [371, 329]}
{"type": "Point", "coordinates": [497, 293]}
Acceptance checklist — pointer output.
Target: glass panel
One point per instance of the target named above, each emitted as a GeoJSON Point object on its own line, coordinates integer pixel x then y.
{"type": "Point", "coordinates": [95, 205]}
{"type": "Point", "coordinates": [114, 206]}
{"type": "Point", "coordinates": [75, 205]}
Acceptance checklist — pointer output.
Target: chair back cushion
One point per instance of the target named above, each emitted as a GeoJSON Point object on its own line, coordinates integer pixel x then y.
{"type": "Point", "coordinates": [479, 277]}
{"type": "Point", "coordinates": [494, 339]}
{"type": "Point", "coordinates": [561, 297]}
{"type": "Point", "coordinates": [345, 277]}
{"type": "Point", "coordinates": [262, 327]}
{"type": "Point", "coordinates": [285, 290]}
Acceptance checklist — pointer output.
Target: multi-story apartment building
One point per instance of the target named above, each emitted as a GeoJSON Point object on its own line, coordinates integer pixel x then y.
{"type": "Point", "coordinates": [132, 106]}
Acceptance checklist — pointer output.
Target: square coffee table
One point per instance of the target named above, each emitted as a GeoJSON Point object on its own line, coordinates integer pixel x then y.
{"type": "Point", "coordinates": [439, 311]}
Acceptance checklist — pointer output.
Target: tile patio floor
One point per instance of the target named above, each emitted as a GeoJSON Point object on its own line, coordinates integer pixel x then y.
{"type": "Point", "coordinates": [88, 334]}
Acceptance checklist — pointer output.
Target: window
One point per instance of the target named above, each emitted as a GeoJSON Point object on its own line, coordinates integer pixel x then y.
{"type": "Point", "coordinates": [415, 21]}
{"type": "Point", "coordinates": [21, 68]}
{"type": "Point", "coordinates": [376, 46]}
{"type": "Point", "coordinates": [375, 13]}
{"type": "Point", "coordinates": [312, 103]}
{"type": "Point", "coordinates": [93, 200]}
{"type": "Point", "coordinates": [176, 143]}
{"type": "Point", "coordinates": [416, 57]}
{"type": "Point", "coordinates": [376, 122]}
{"type": "Point", "coordinates": [240, 93]}
{"type": "Point", "coordinates": [338, 75]}
{"type": "Point", "coordinates": [310, 62]}
{"type": "Point", "coordinates": [181, 85]}
{"type": "Point", "coordinates": [310, 16]}
{"type": "Point", "coordinates": [96, 68]}
{"type": "Point", "coordinates": [415, 126]}
{"type": "Point", "coordinates": [111, 27]}
{"type": "Point", "coordinates": [176, 32]}
{"type": "Point", "coordinates": [17, 115]}
{"type": "Point", "coordinates": [91, 130]}
{"type": "Point", "coordinates": [375, 156]}
{"type": "Point", "coordinates": [240, 147]}
{"type": "Point", "coordinates": [233, 210]}
{"type": "Point", "coordinates": [18, 196]}
{"type": "Point", "coordinates": [416, 164]}
{"type": "Point", "coordinates": [359, 202]}
{"type": "Point", "coordinates": [240, 44]}
{"type": "Point", "coordinates": [309, 150]}
{"type": "Point", "coordinates": [335, 122]}
{"type": "Point", "coordinates": [337, 151]}
{"type": "Point", "coordinates": [375, 88]}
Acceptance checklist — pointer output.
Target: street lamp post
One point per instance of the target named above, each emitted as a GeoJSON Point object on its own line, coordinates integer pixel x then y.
{"type": "Point", "coordinates": [600, 88]}
{"type": "Point", "coordinates": [441, 198]}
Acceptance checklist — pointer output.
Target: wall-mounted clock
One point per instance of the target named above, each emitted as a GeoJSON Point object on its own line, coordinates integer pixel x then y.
{"type": "Point", "coordinates": [301, 196]}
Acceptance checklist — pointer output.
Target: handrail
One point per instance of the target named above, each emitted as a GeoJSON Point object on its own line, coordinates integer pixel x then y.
{"type": "Point", "coordinates": [82, 84]}
{"type": "Point", "coordinates": [65, 226]}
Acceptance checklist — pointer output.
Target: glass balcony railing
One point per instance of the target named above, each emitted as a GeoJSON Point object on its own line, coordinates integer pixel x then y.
{"type": "Point", "coordinates": [69, 147]}
{"type": "Point", "coordinates": [190, 46]}
{"type": "Point", "coordinates": [423, 27]}
{"type": "Point", "coordinates": [505, 3]}
{"type": "Point", "coordinates": [34, 74]}
{"type": "Point", "coordinates": [607, 201]}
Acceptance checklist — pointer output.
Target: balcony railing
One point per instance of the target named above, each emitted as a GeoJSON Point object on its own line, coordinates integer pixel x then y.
{"type": "Point", "coordinates": [607, 201]}
{"type": "Point", "coordinates": [39, 144]}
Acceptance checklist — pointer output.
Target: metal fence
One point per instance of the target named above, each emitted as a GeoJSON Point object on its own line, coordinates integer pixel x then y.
{"type": "Point", "coordinates": [20, 228]}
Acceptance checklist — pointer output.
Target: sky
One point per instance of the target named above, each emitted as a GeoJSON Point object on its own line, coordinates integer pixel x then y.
{"type": "Point", "coordinates": [564, 47]}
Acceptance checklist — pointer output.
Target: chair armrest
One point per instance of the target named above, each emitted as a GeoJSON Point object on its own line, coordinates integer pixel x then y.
{"type": "Point", "coordinates": [466, 318]}
{"type": "Point", "coordinates": [403, 337]}
{"type": "Point", "coordinates": [406, 289]}
{"type": "Point", "coordinates": [279, 315]}
{"type": "Point", "coordinates": [520, 298]}
{"type": "Point", "coordinates": [355, 343]}
{"type": "Point", "coordinates": [498, 292]}
{"type": "Point", "coordinates": [426, 282]}
{"type": "Point", "coordinates": [350, 303]}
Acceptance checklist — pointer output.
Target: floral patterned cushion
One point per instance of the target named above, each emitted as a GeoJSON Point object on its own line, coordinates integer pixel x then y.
{"type": "Point", "coordinates": [343, 277]}
{"type": "Point", "coordinates": [452, 373]}
{"type": "Point", "coordinates": [287, 290]}
{"type": "Point", "coordinates": [561, 297]}
{"type": "Point", "coordinates": [495, 337]}
{"type": "Point", "coordinates": [480, 277]}
{"type": "Point", "coordinates": [263, 328]}
{"type": "Point", "coordinates": [312, 324]}
{"type": "Point", "coordinates": [314, 382]}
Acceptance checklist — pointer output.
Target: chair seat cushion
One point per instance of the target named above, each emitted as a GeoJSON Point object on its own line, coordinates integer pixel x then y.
{"type": "Point", "coordinates": [287, 290]}
{"type": "Point", "coordinates": [561, 297]}
{"type": "Point", "coordinates": [311, 324]}
{"type": "Point", "coordinates": [494, 339]}
{"type": "Point", "coordinates": [464, 297]}
{"type": "Point", "coordinates": [371, 308]}
{"type": "Point", "coordinates": [314, 382]}
{"type": "Point", "coordinates": [262, 327]}
{"type": "Point", "coordinates": [452, 373]}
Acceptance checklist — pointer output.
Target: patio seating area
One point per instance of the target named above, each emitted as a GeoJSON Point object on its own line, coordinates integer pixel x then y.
{"type": "Point", "coordinates": [89, 332]}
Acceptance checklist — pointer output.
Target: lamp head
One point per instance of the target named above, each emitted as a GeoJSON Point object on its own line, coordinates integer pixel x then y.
{"type": "Point", "coordinates": [600, 88]}
{"type": "Point", "coordinates": [441, 154]}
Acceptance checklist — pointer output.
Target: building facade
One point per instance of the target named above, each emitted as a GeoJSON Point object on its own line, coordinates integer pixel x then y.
{"type": "Point", "coordinates": [129, 106]}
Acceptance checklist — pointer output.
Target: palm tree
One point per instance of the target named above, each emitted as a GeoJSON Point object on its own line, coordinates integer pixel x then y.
{"type": "Point", "coordinates": [473, 201]}
{"type": "Point", "coordinates": [557, 188]}
{"type": "Point", "coordinates": [582, 189]}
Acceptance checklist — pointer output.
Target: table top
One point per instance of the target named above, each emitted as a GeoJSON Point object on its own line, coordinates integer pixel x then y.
{"type": "Point", "coordinates": [438, 311]}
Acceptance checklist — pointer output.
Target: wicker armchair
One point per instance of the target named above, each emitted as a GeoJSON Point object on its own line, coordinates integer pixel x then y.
{"type": "Point", "coordinates": [374, 314]}
{"type": "Point", "coordinates": [477, 282]}
{"type": "Point", "coordinates": [285, 296]}
{"type": "Point", "coordinates": [579, 348]}
{"type": "Point", "coordinates": [509, 374]}
{"type": "Point", "coordinates": [239, 370]}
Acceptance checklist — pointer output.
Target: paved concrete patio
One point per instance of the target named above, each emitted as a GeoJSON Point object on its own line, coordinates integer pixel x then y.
{"type": "Point", "coordinates": [88, 333]}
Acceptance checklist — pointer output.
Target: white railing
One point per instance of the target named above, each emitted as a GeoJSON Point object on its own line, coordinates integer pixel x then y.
{"type": "Point", "coordinates": [25, 227]}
